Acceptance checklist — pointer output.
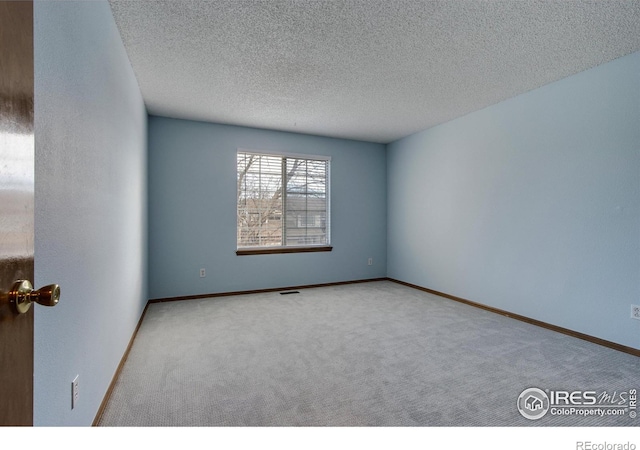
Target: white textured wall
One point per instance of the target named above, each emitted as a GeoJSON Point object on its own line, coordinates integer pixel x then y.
{"type": "Point", "coordinates": [531, 205]}
{"type": "Point", "coordinates": [90, 237]}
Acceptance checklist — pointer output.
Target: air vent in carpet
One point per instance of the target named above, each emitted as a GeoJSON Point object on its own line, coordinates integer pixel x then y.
{"type": "Point", "coordinates": [289, 292]}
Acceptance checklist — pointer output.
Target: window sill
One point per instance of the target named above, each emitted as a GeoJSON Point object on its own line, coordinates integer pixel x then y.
{"type": "Point", "coordinates": [279, 250]}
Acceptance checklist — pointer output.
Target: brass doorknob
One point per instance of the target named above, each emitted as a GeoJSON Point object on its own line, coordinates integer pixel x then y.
{"type": "Point", "coordinates": [22, 295]}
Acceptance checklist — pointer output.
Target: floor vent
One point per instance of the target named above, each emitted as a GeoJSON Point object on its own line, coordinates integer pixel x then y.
{"type": "Point", "coordinates": [289, 292]}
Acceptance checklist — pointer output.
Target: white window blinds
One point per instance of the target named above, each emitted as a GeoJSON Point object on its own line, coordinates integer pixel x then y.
{"type": "Point", "coordinates": [283, 200]}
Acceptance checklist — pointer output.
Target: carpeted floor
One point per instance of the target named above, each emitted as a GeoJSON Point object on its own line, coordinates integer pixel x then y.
{"type": "Point", "coordinates": [370, 354]}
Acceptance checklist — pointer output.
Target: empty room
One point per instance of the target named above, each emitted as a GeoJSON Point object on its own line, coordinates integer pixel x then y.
{"type": "Point", "coordinates": [333, 214]}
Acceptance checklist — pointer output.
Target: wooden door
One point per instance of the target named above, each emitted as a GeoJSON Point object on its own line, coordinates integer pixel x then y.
{"type": "Point", "coordinates": [16, 208]}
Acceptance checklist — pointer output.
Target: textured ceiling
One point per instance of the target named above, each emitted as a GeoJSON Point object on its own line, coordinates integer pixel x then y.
{"type": "Point", "coordinates": [374, 70]}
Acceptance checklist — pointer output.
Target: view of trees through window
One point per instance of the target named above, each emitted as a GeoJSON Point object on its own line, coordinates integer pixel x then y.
{"type": "Point", "coordinates": [282, 201]}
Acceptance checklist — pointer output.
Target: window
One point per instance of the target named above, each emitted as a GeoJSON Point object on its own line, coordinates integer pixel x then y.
{"type": "Point", "coordinates": [283, 203]}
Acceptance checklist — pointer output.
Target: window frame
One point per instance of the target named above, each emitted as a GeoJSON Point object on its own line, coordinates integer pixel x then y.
{"type": "Point", "coordinates": [274, 249]}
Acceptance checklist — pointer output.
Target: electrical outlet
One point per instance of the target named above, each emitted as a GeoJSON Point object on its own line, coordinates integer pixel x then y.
{"type": "Point", "coordinates": [75, 393]}
{"type": "Point", "coordinates": [370, 262]}
{"type": "Point", "coordinates": [203, 273]}
{"type": "Point", "coordinates": [635, 312]}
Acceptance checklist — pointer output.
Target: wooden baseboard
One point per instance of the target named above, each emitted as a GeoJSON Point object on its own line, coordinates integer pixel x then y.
{"type": "Point", "coordinates": [261, 291]}
{"type": "Point", "coordinates": [107, 396]}
{"type": "Point", "coordinates": [539, 323]}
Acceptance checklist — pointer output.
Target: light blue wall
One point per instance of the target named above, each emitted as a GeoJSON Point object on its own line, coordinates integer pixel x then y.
{"type": "Point", "coordinates": [531, 205]}
{"type": "Point", "coordinates": [90, 203]}
{"type": "Point", "coordinates": [192, 211]}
